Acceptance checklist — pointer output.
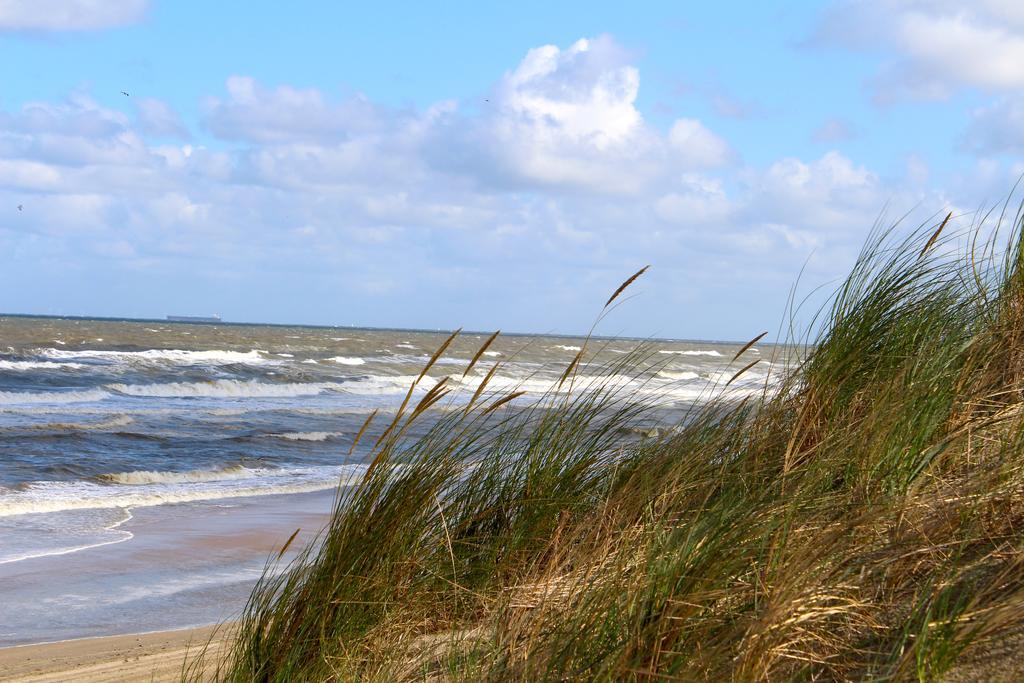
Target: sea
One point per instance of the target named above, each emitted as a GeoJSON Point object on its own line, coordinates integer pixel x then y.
{"type": "Point", "coordinates": [104, 423]}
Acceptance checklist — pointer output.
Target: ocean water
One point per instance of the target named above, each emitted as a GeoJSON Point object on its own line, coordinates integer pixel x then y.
{"type": "Point", "coordinates": [102, 419]}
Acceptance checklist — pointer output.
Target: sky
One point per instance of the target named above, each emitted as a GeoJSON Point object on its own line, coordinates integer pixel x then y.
{"type": "Point", "coordinates": [487, 165]}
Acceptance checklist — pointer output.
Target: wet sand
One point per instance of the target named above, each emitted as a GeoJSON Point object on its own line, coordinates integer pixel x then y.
{"type": "Point", "coordinates": [186, 566]}
{"type": "Point", "coordinates": [146, 657]}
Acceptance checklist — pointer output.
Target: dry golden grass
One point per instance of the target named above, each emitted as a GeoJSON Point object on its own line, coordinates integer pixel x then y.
{"type": "Point", "coordinates": [862, 519]}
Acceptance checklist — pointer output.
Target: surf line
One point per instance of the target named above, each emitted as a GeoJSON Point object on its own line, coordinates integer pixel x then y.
{"type": "Point", "coordinates": [127, 536]}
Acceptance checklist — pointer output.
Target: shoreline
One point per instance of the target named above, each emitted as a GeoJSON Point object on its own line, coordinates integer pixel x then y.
{"type": "Point", "coordinates": [155, 656]}
{"type": "Point", "coordinates": [185, 565]}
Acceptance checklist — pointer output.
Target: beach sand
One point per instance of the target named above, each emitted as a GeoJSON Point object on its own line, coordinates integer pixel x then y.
{"type": "Point", "coordinates": [145, 657]}
{"type": "Point", "coordinates": [186, 566]}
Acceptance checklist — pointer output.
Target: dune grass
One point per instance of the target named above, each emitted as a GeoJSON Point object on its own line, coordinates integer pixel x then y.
{"type": "Point", "coordinates": [861, 519]}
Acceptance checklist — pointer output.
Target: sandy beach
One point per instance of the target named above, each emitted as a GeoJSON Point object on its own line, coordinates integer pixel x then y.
{"type": "Point", "coordinates": [149, 657]}
{"type": "Point", "coordinates": [185, 566]}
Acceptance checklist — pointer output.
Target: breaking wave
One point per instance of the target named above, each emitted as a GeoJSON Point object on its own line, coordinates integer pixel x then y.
{"type": "Point", "coordinates": [25, 365]}
{"type": "Point", "coordinates": [306, 436]}
{"type": "Point", "coordinates": [140, 477]}
{"type": "Point", "coordinates": [16, 397]}
{"type": "Point", "coordinates": [347, 360]}
{"type": "Point", "coordinates": [712, 353]}
{"type": "Point", "coordinates": [175, 356]}
{"type": "Point", "coordinates": [668, 374]}
{"type": "Point", "coordinates": [224, 388]}
{"type": "Point", "coordinates": [102, 425]}
{"type": "Point", "coordinates": [146, 489]}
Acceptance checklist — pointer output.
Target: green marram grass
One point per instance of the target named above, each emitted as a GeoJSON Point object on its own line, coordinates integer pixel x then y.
{"type": "Point", "coordinates": [861, 519]}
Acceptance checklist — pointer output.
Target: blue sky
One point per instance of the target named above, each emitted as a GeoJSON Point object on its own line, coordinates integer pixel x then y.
{"type": "Point", "coordinates": [398, 164]}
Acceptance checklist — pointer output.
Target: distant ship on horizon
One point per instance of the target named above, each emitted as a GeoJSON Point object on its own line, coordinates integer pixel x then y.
{"type": "Point", "coordinates": [194, 318]}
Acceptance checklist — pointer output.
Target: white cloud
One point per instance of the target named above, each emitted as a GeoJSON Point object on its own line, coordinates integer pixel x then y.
{"type": "Point", "coordinates": [319, 199]}
{"type": "Point", "coordinates": [254, 113]}
{"type": "Point", "coordinates": [582, 95]}
{"type": "Point", "coordinates": [997, 128]}
{"type": "Point", "coordinates": [697, 146]}
{"type": "Point", "coordinates": [829, 194]}
{"type": "Point", "coordinates": [696, 200]}
{"type": "Point", "coordinates": [69, 15]}
{"type": "Point", "coordinates": [562, 119]}
{"type": "Point", "coordinates": [569, 118]}
{"type": "Point", "coordinates": [159, 119]}
{"type": "Point", "coordinates": [936, 46]}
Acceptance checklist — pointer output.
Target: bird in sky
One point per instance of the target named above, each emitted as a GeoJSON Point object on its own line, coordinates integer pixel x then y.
{"type": "Point", "coordinates": [20, 207]}
{"type": "Point", "coordinates": [125, 94]}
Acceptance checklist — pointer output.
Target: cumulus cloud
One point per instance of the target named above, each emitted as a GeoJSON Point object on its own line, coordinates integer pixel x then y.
{"type": "Point", "coordinates": [568, 117]}
{"type": "Point", "coordinates": [77, 132]}
{"type": "Point", "coordinates": [69, 15]}
{"type": "Point", "coordinates": [320, 203]}
{"type": "Point", "coordinates": [582, 95]}
{"type": "Point", "coordinates": [830, 193]}
{"type": "Point", "coordinates": [697, 146]}
{"type": "Point", "coordinates": [157, 118]}
{"type": "Point", "coordinates": [934, 47]}
{"type": "Point", "coordinates": [696, 200]}
{"type": "Point", "coordinates": [254, 113]}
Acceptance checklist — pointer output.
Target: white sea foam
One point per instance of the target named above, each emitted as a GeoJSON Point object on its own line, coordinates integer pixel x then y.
{"type": "Point", "coordinates": [138, 477]}
{"type": "Point", "coordinates": [748, 378]}
{"type": "Point", "coordinates": [404, 346]}
{"type": "Point", "coordinates": [376, 385]}
{"type": "Point", "coordinates": [382, 385]}
{"type": "Point", "coordinates": [531, 384]}
{"type": "Point", "coordinates": [20, 397]}
{"type": "Point", "coordinates": [224, 388]}
{"type": "Point", "coordinates": [492, 353]}
{"type": "Point", "coordinates": [668, 374]}
{"type": "Point", "coordinates": [688, 387]}
{"type": "Point", "coordinates": [543, 385]}
{"type": "Point", "coordinates": [566, 348]}
{"type": "Point", "coordinates": [306, 436]}
{"type": "Point", "coordinates": [684, 388]}
{"type": "Point", "coordinates": [712, 353]}
{"type": "Point", "coordinates": [23, 365]}
{"type": "Point", "coordinates": [57, 496]}
{"type": "Point", "coordinates": [347, 360]}
{"type": "Point", "coordinates": [106, 534]}
{"type": "Point", "coordinates": [35, 410]}
{"type": "Point", "coordinates": [101, 425]}
{"type": "Point", "coordinates": [173, 356]}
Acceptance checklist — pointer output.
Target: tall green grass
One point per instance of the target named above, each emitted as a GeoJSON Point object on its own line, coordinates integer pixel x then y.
{"type": "Point", "coordinates": [861, 519]}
